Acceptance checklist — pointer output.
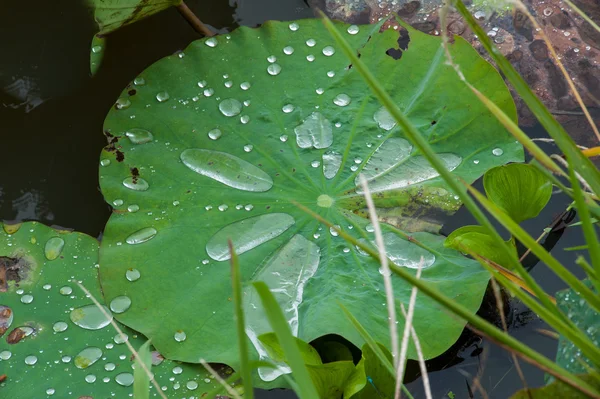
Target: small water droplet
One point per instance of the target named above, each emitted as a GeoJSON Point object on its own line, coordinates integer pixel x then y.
{"type": "Point", "coordinates": [208, 92]}
{"type": "Point", "coordinates": [90, 317]}
{"type": "Point", "coordinates": [109, 367]}
{"type": "Point", "coordinates": [96, 49]}
{"type": "Point", "coordinates": [202, 84]}
{"type": "Point", "coordinates": [315, 164]}
{"type": "Point", "coordinates": [139, 136]}
{"type": "Point", "coordinates": [294, 27]}
{"type": "Point", "coordinates": [141, 236]}
{"type": "Point", "coordinates": [162, 96]}
{"type": "Point", "coordinates": [288, 50]}
{"type": "Point", "coordinates": [353, 29]}
{"type": "Point", "coordinates": [328, 51]}
{"type": "Point", "coordinates": [476, 161]}
{"type": "Point", "coordinates": [249, 207]}
{"type": "Point", "coordinates": [274, 69]}
{"type": "Point", "coordinates": [283, 138]}
{"type": "Point", "coordinates": [177, 370]}
{"type": "Point", "coordinates": [27, 299]}
{"type": "Point", "coordinates": [310, 58]}
{"type": "Point", "coordinates": [333, 232]}
{"type": "Point", "coordinates": [87, 357]}
{"type": "Point", "coordinates": [244, 119]}
{"type": "Point", "coordinates": [54, 247]}
{"type": "Point", "coordinates": [230, 107]}
{"type": "Point", "coordinates": [133, 208]}
{"type": "Point", "coordinates": [246, 103]}
{"type": "Point", "coordinates": [479, 15]}
{"type": "Point", "coordinates": [223, 207]}
{"type": "Point", "coordinates": [320, 91]}
{"type": "Point", "coordinates": [65, 290]}
{"type": "Point", "coordinates": [211, 42]}
{"type": "Point", "coordinates": [331, 74]}
{"type": "Point", "coordinates": [215, 134]}
{"type": "Point", "coordinates": [118, 202]}
{"type": "Point", "coordinates": [271, 58]}
{"type": "Point", "coordinates": [60, 326]}
{"type": "Point", "coordinates": [47, 287]}
{"type": "Point", "coordinates": [137, 184]}
{"type": "Point", "coordinates": [245, 85]}
{"type": "Point", "coordinates": [228, 84]}
{"type": "Point", "coordinates": [31, 360]}
{"type": "Point", "coordinates": [5, 355]}
{"type": "Point", "coordinates": [191, 385]}
{"type": "Point", "coordinates": [341, 100]}
{"type": "Point", "coordinates": [497, 151]}
{"type": "Point", "coordinates": [120, 339]}
{"type": "Point", "coordinates": [311, 42]}
{"type": "Point", "coordinates": [126, 379]}
{"type": "Point", "coordinates": [287, 108]}
{"type": "Point", "coordinates": [105, 162]}
{"type": "Point", "coordinates": [123, 103]}
{"type": "Point", "coordinates": [90, 378]}
{"type": "Point", "coordinates": [248, 147]}
{"type": "Point", "coordinates": [179, 336]}
{"type": "Point", "coordinates": [50, 391]}
{"type": "Point", "coordinates": [120, 304]}
{"type": "Point", "coordinates": [65, 359]}
{"type": "Point", "coordinates": [139, 81]}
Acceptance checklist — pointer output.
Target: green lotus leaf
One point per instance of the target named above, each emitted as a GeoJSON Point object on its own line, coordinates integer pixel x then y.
{"type": "Point", "coordinates": [217, 143]}
{"type": "Point", "coordinates": [477, 240]}
{"type": "Point", "coordinates": [54, 342]}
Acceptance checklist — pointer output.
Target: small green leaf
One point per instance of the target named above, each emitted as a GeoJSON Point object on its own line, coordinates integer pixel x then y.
{"type": "Point", "coordinates": [97, 53]}
{"type": "Point", "coordinates": [276, 353]}
{"type": "Point", "coordinates": [141, 380]}
{"type": "Point", "coordinates": [381, 383]}
{"type": "Point", "coordinates": [558, 390]}
{"type": "Point", "coordinates": [335, 379]}
{"type": "Point", "coordinates": [476, 239]}
{"type": "Point", "coordinates": [521, 190]}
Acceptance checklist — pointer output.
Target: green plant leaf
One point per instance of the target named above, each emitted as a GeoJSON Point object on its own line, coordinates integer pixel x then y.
{"type": "Point", "coordinates": [43, 352]}
{"type": "Point", "coordinates": [216, 142]}
{"type": "Point", "coordinates": [97, 53]}
{"type": "Point", "coordinates": [332, 351]}
{"type": "Point", "coordinates": [141, 380]}
{"type": "Point", "coordinates": [521, 190]}
{"type": "Point", "coordinates": [586, 319]}
{"type": "Point", "coordinates": [275, 351]}
{"type": "Point", "coordinates": [558, 390]}
{"type": "Point", "coordinates": [476, 239]}
{"type": "Point", "coordinates": [381, 383]}
{"type": "Point", "coordinates": [110, 15]}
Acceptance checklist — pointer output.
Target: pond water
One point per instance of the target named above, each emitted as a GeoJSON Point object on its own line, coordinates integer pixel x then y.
{"type": "Point", "coordinates": [51, 115]}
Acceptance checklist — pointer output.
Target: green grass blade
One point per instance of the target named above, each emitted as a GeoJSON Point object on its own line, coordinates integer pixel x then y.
{"type": "Point", "coordinates": [476, 321]}
{"type": "Point", "coordinates": [141, 380]}
{"type": "Point", "coordinates": [306, 388]}
{"type": "Point", "coordinates": [589, 231]}
{"type": "Point", "coordinates": [566, 144]}
{"type": "Point", "coordinates": [236, 281]}
{"type": "Point", "coordinates": [583, 263]}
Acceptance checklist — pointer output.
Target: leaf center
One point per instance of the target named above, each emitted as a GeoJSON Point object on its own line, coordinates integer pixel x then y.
{"type": "Point", "coordinates": [325, 201]}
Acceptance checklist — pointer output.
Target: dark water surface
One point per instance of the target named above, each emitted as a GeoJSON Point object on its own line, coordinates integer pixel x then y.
{"type": "Point", "coordinates": [51, 116]}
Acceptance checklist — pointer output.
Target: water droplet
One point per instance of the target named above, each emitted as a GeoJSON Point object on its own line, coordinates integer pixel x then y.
{"type": "Point", "coordinates": [479, 15]}
{"type": "Point", "coordinates": [27, 299]}
{"type": "Point", "coordinates": [141, 236]}
{"type": "Point", "coordinates": [5, 355]}
{"type": "Point", "coordinates": [65, 290]}
{"type": "Point", "coordinates": [54, 247]}
{"type": "Point", "coordinates": [288, 50]}
{"type": "Point", "coordinates": [311, 42]}
{"type": "Point", "coordinates": [245, 85]}
{"type": "Point", "coordinates": [137, 184]}
{"type": "Point", "coordinates": [230, 107]}
{"type": "Point", "coordinates": [310, 58]}
{"type": "Point", "coordinates": [315, 131]}
{"type": "Point", "coordinates": [247, 234]}
{"type": "Point", "coordinates": [191, 385]}
{"type": "Point", "coordinates": [132, 274]}
{"type": "Point", "coordinates": [177, 370]}
{"type": "Point", "coordinates": [90, 378]}
{"type": "Point", "coordinates": [341, 100]}
{"type": "Point", "coordinates": [283, 138]}
{"type": "Point", "coordinates": [139, 136]}
{"type": "Point", "coordinates": [90, 317]}
{"type": "Point", "coordinates": [105, 162]}
{"type": "Point", "coordinates": [65, 359]}
{"type": "Point", "coordinates": [133, 208]}
{"type": "Point", "coordinates": [223, 207]}
{"type": "Point", "coordinates": [315, 164]}
{"type": "Point", "coordinates": [162, 96]}
{"type": "Point", "coordinates": [274, 69]}
{"type": "Point", "coordinates": [248, 147]}
{"type": "Point", "coordinates": [211, 42]}
{"type": "Point", "coordinates": [331, 74]}
{"type": "Point", "coordinates": [294, 27]}
{"type": "Point", "coordinates": [123, 103]}
{"type": "Point", "coordinates": [126, 379]}
{"type": "Point", "coordinates": [50, 391]}
{"type": "Point", "coordinates": [384, 119]}
{"type": "Point", "coordinates": [497, 151]}
{"type": "Point", "coordinates": [47, 287]}
{"type": "Point", "coordinates": [271, 58]}
{"type": "Point", "coordinates": [109, 367]}
{"type": "Point", "coordinates": [353, 29]}
{"type": "Point", "coordinates": [120, 339]}
{"type": "Point", "coordinates": [87, 357]}
{"type": "Point", "coordinates": [328, 51]}
{"type": "Point", "coordinates": [227, 169]}
{"type": "Point", "coordinates": [139, 81]}
{"type": "Point", "coordinates": [120, 304]}
{"type": "Point", "coordinates": [60, 326]}
{"type": "Point", "coordinates": [202, 84]}
{"type": "Point", "coordinates": [31, 360]}
{"type": "Point", "coordinates": [244, 119]}
{"type": "Point", "coordinates": [228, 84]}
{"type": "Point", "coordinates": [320, 91]}
{"type": "Point", "coordinates": [96, 49]}
{"type": "Point", "coordinates": [179, 336]}
{"type": "Point", "coordinates": [287, 108]}
{"type": "Point", "coordinates": [249, 207]}
{"type": "Point", "coordinates": [476, 161]}
{"type": "Point", "coordinates": [331, 164]}
{"type": "Point", "coordinates": [333, 232]}
{"type": "Point", "coordinates": [246, 103]}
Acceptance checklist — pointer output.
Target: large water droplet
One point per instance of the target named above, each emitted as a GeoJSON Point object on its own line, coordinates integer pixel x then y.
{"type": "Point", "coordinates": [27, 298]}
{"type": "Point", "coordinates": [274, 69]}
{"type": "Point", "coordinates": [227, 169]}
{"type": "Point", "coordinates": [5, 355]}
{"type": "Point", "coordinates": [139, 136]}
{"type": "Point", "coordinates": [353, 29]}
{"type": "Point", "coordinates": [215, 134]}
{"type": "Point", "coordinates": [497, 151]}
{"type": "Point", "coordinates": [315, 131]}
{"type": "Point", "coordinates": [384, 119]}
{"type": "Point", "coordinates": [288, 50]}
{"type": "Point", "coordinates": [124, 379]}
{"type": "Point", "coordinates": [60, 326]}
{"type": "Point", "coordinates": [140, 236]}
{"type": "Point", "coordinates": [133, 208]}
{"type": "Point", "coordinates": [311, 42]}
{"type": "Point", "coordinates": [123, 103]}
{"type": "Point", "coordinates": [328, 51]}
{"type": "Point", "coordinates": [53, 248]}
{"type": "Point", "coordinates": [341, 100]}
{"type": "Point", "coordinates": [191, 385]}
{"type": "Point", "coordinates": [230, 107]}
{"type": "Point", "coordinates": [65, 290]}
{"type": "Point", "coordinates": [247, 234]}
{"type": "Point", "coordinates": [90, 378]}
{"type": "Point", "coordinates": [211, 42]}
{"type": "Point", "coordinates": [133, 274]}
{"type": "Point", "coordinates": [137, 184]}
{"type": "Point", "coordinates": [245, 85]}
{"type": "Point", "coordinates": [87, 357]}
{"type": "Point", "coordinates": [162, 96]}
{"type": "Point", "coordinates": [288, 108]}
{"type": "Point", "coordinates": [120, 304]}
{"type": "Point", "coordinates": [31, 360]}
{"type": "Point", "coordinates": [180, 336]}
{"type": "Point", "coordinates": [90, 317]}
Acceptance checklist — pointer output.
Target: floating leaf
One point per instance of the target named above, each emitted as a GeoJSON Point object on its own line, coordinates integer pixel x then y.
{"type": "Point", "coordinates": [43, 352]}
{"type": "Point", "coordinates": [380, 383]}
{"type": "Point", "coordinates": [558, 390]}
{"type": "Point", "coordinates": [477, 240]}
{"type": "Point", "coordinates": [243, 124]}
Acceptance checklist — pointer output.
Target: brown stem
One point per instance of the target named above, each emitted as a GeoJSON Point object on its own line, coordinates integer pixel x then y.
{"type": "Point", "coordinates": [193, 20]}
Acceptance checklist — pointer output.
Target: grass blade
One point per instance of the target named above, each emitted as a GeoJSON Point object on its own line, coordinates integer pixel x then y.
{"type": "Point", "coordinates": [141, 380]}
{"type": "Point", "coordinates": [236, 281]}
{"type": "Point", "coordinates": [306, 388]}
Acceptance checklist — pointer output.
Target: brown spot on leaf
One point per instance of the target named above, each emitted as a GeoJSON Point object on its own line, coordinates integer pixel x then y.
{"type": "Point", "coordinates": [12, 269]}
{"type": "Point", "coordinates": [5, 318]}
{"type": "Point", "coordinates": [132, 92]}
{"type": "Point", "coordinates": [135, 174]}
{"type": "Point", "coordinates": [3, 377]}
{"type": "Point", "coordinates": [16, 336]}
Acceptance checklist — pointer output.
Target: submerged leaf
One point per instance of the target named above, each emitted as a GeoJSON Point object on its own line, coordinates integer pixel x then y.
{"type": "Point", "coordinates": [240, 125]}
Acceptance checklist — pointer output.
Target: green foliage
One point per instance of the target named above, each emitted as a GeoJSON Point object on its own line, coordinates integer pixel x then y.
{"type": "Point", "coordinates": [382, 383]}
{"type": "Point", "coordinates": [477, 240]}
{"type": "Point", "coordinates": [141, 380]}
{"type": "Point", "coordinates": [558, 390]}
{"type": "Point", "coordinates": [219, 147]}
